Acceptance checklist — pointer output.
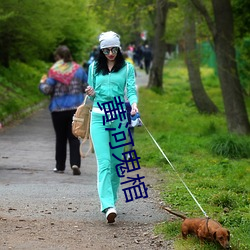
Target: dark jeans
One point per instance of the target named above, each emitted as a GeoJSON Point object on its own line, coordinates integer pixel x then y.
{"type": "Point", "coordinates": [147, 65]}
{"type": "Point", "coordinates": [62, 122]}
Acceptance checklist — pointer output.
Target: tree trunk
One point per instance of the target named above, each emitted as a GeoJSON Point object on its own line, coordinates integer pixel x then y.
{"type": "Point", "coordinates": [235, 109]}
{"type": "Point", "coordinates": [159, 47]}
{"type": "Point", "coordinates": [201, 99]}
{"type": "Point", "coordinates": [223, 38]}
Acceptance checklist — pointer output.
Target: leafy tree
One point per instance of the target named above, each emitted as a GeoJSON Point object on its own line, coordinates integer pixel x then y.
{"type": "Point", "coordinates": [221, 28]}
{"type": "Point", "coordinates": [156, 72]}
{"type": "Point", "coordinates": [241, 18]}
{"type": "Point", "coordinates": [126, 17]}
{"type": "Point", "coordinates": [201, 99]}
{"type": "Point", "coordinates": [28, 33]}
{"type": "Point", "coordinates": [22, 35]}
{"type": "Point", "coordinates": [78, 30]}
{"type": "Point", "coordinates": [175, 24]}
{"type": "Point", "coordinates": [242, 33]}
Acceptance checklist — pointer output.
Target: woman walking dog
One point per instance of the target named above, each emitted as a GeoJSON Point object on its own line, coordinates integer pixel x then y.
{"type": "Point", "coordinates": [108, 77]}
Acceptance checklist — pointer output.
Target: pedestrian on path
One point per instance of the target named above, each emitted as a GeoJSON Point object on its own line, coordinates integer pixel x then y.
{"type": "Point", "coordinates": [65, 84]}
{"type": "Point", "coordinates": [108, 77]}
{"type": "Point", "coordinates": [147, 54]}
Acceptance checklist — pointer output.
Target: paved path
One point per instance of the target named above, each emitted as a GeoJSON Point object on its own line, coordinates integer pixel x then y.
{"type": "Point", "coordinates": [29, 189]}
{"type": "Point", "coordinates": [141, 78]}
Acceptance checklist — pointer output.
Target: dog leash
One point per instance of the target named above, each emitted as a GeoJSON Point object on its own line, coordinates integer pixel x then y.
{"type": "Point", "coordinates": [174, 170]}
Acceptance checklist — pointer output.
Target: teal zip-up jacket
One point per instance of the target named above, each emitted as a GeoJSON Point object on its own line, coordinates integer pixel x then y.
{"type": "Point", "coordinates": [114, 84]}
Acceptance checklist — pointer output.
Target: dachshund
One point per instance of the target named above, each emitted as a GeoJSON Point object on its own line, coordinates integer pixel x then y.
{"type": "Point", "coordinates": [204, 229]}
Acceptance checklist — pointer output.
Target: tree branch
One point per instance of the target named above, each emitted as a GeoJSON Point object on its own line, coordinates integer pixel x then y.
{"type": "Point", "coordinates": [202, 9]}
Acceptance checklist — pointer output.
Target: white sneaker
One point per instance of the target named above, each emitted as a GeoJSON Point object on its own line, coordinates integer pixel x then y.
{"type": "Point", "coordinates": [111, 214]}
{"type": "Point", "coordinates": [58, 171]}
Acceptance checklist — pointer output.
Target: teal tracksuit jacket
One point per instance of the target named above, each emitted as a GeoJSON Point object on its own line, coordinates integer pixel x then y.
{"type": "Point", "coordinates": [107, 87]}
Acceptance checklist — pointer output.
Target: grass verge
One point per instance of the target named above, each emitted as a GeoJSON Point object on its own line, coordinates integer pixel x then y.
{"type": "Point", "coordinates": [214, 165]}
{"type": "Point", "coordinates": [19, 89]}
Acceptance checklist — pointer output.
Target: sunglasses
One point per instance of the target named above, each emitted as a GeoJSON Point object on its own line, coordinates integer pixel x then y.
{"type": "Point", "coordinates": [106, 51]}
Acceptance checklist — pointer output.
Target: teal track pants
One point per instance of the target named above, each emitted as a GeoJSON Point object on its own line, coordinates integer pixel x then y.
{"type": "Point", "coordinates": [107, 179]}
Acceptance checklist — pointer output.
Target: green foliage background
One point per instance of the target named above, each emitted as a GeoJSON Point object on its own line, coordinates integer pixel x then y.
{"type": "Point", "coordinates": [28, 33]}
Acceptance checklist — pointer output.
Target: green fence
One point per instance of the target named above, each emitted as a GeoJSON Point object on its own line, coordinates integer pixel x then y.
{"type": "Point", "coordinates": [208, 58]}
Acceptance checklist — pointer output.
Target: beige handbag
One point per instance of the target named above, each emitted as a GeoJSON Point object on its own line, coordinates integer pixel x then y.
{"type": "Point", "coordinates": [81, 126]}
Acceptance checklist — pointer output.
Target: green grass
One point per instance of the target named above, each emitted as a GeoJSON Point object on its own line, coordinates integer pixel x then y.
{"type": "Point", "coordinates": [214, 164]}
{"type": "Point", "coordinates": [19, 88]}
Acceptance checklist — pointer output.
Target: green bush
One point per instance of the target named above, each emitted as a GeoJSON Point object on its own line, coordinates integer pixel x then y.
{"type": "Point", "coordinates": [223, 200]}
{"type": "Point", "coordinates": [19, 87]}
{"type": "Point", "coordinates": [231, 146]}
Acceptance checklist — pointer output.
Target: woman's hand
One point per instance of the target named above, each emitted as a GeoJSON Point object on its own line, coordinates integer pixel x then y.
{"type": "Point", "coordinates": [90, 91]}
{"type": "Point", "coordinates": [134, 109]}
{"type": "Point", "coordinates": [43, 79]}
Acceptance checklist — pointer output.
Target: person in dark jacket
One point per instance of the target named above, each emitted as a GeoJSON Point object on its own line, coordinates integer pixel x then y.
{"type": "Point", "coordinates": [147, 54]}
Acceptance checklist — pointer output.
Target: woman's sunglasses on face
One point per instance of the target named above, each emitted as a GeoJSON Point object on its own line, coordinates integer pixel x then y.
{"type": "Point", "coordinates": [106, 51]}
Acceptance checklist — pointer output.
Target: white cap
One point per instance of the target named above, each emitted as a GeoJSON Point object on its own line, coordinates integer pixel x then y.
{"type": "Point", "coordinates": [109, 39]}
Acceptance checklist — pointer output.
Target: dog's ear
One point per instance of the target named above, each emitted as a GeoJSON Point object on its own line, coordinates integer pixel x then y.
{"type": "Point", "coordinates": [228, 237]}
{"type": "Point", "coordinates": [214, 235]}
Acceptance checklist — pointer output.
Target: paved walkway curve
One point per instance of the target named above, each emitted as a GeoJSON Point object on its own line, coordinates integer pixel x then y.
{"type": "Point", "coordinates": [43, 210]}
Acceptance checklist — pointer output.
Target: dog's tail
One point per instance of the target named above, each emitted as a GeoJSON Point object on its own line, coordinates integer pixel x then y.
{"type": "Point", "coordinates": [175, 213]}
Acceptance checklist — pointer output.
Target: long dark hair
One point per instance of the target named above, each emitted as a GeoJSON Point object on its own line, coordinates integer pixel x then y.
{"type": "Point", "coordinates": [101, 63]}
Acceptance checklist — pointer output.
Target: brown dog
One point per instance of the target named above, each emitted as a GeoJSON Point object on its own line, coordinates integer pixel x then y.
{"type": "Point", "coordinates": [204, 229]}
